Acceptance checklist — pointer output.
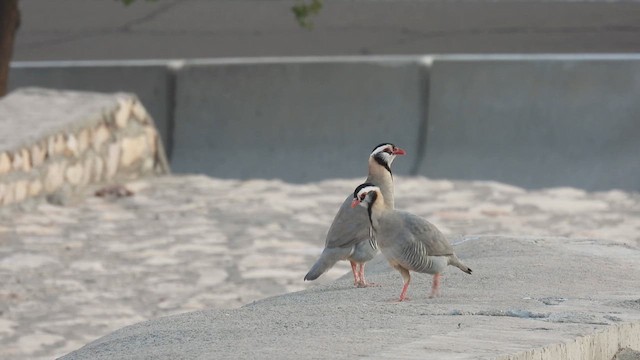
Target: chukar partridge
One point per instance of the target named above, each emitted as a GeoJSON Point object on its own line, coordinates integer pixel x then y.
{"type": "Point", "coordinates": [409, 242]}
{"type": "Point", "coordinates": [348, 237]}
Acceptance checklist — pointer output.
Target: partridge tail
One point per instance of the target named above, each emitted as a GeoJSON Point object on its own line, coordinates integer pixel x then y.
{"type": "Point", "coordinates": [453, 260]}
{"type": "Point", "coordinates": [324, 263]}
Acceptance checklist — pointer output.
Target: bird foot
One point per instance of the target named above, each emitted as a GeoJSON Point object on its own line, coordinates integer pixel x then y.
{"type": "Point", "coordinates": [406, 298]}
{"type": "Point", "coordinates": [434, 295]}
{"type": "Point", "coordinates": [367, 284]}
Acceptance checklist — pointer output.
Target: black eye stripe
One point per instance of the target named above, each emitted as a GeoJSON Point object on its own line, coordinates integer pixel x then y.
{"type": "Point", "coordinates": [356, 193]}
{"type": "Point", "coordinates": [383, 144]}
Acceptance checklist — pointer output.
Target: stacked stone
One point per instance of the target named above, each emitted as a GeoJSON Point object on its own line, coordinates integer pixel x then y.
{"type": "Point", "coordinates": [62, 141]}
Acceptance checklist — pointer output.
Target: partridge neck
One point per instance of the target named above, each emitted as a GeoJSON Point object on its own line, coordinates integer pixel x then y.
{"type": "Point", "coordinates": [381, 176]}
{"type": "Point", "coordinates": [376, 210]}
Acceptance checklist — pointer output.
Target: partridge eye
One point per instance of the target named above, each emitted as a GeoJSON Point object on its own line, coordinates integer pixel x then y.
{"type": "Point", "coordinates": [388, 151]}
{"type": "Point", "coordinates": [362, 196]}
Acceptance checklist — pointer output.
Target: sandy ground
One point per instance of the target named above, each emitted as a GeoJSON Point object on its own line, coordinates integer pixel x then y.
{"type": "Point", "coordinates": [69, 275]}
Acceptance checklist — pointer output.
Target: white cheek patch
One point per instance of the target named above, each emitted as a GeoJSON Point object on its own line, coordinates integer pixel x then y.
{"type": "Point", "coordinates": [380, 149]}
{"type": "Point", "coordinates": [389, 158]}
{"type": "Point", "coordinates": [366, 190]}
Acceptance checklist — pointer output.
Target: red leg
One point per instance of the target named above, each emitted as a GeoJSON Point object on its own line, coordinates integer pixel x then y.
{"type": "Point", "coordinates": [403, 294]}
{"type": "Point", "coordinates": [435, 287]}
{"type": "Point", "coordinates": [356, 278]}
{"type": "Point", "coordinates": [406, 277]}
{"type": "Point", "coordinates": [363, 281]}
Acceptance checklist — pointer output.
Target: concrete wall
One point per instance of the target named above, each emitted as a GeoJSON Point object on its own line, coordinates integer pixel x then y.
{"type": "Point", "coordinates": [535, 122]}
{"type": "Point", "coordinates": [297, 121]}
{"type": "Point", "coordinates": [532, 121]}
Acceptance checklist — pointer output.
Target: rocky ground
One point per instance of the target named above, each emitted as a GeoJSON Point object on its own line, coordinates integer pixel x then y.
{"type": "Point", "coordinates": [180, 243]}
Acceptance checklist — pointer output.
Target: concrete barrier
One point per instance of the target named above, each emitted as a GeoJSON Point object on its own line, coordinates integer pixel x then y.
{"type": "Point", "coordinates": [298, 121]}
{"type": "Point", "coordinates": [151, 81]}
{"type": "Point", "coordinates": [536, 121]}
{"type": "Point", "coordinates": [533, 121]}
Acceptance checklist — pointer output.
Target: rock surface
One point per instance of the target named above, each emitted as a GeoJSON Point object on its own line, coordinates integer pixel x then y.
{"type": "Point", "coordinates": [69, 275]}
{"type": "Point", "coordinates": [45, 138]}
{"type": "Point", "coordinates": [525, 294]}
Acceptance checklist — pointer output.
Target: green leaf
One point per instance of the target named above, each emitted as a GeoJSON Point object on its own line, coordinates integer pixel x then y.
{"type": "Point", "coordinates": [303, 11]}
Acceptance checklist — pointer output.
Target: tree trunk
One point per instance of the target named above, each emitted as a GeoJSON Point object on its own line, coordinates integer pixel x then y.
{"type": "Point", "coordinates": [9, 22]}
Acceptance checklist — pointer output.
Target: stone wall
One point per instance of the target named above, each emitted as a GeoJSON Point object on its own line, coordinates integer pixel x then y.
{"type": "Point", "coordinates": [58, 142]}
{"type": "Point", "coordinates": [150, 81]}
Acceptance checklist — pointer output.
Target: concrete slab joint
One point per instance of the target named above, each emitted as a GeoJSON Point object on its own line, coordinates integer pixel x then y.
{"type": "Point", "coordinates": [72, 139]}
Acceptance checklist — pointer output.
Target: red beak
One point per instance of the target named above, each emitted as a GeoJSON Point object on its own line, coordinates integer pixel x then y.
{"type": "Point", "coordinates": [398, 151]}
{"type": "Point", "coordinates": [355, 203]}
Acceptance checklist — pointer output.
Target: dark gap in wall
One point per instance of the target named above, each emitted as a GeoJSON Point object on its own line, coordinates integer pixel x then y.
{"type": "Point", "coordinates": [172, 74]}
{"type": "Point", "coordinates": [424, 73]}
